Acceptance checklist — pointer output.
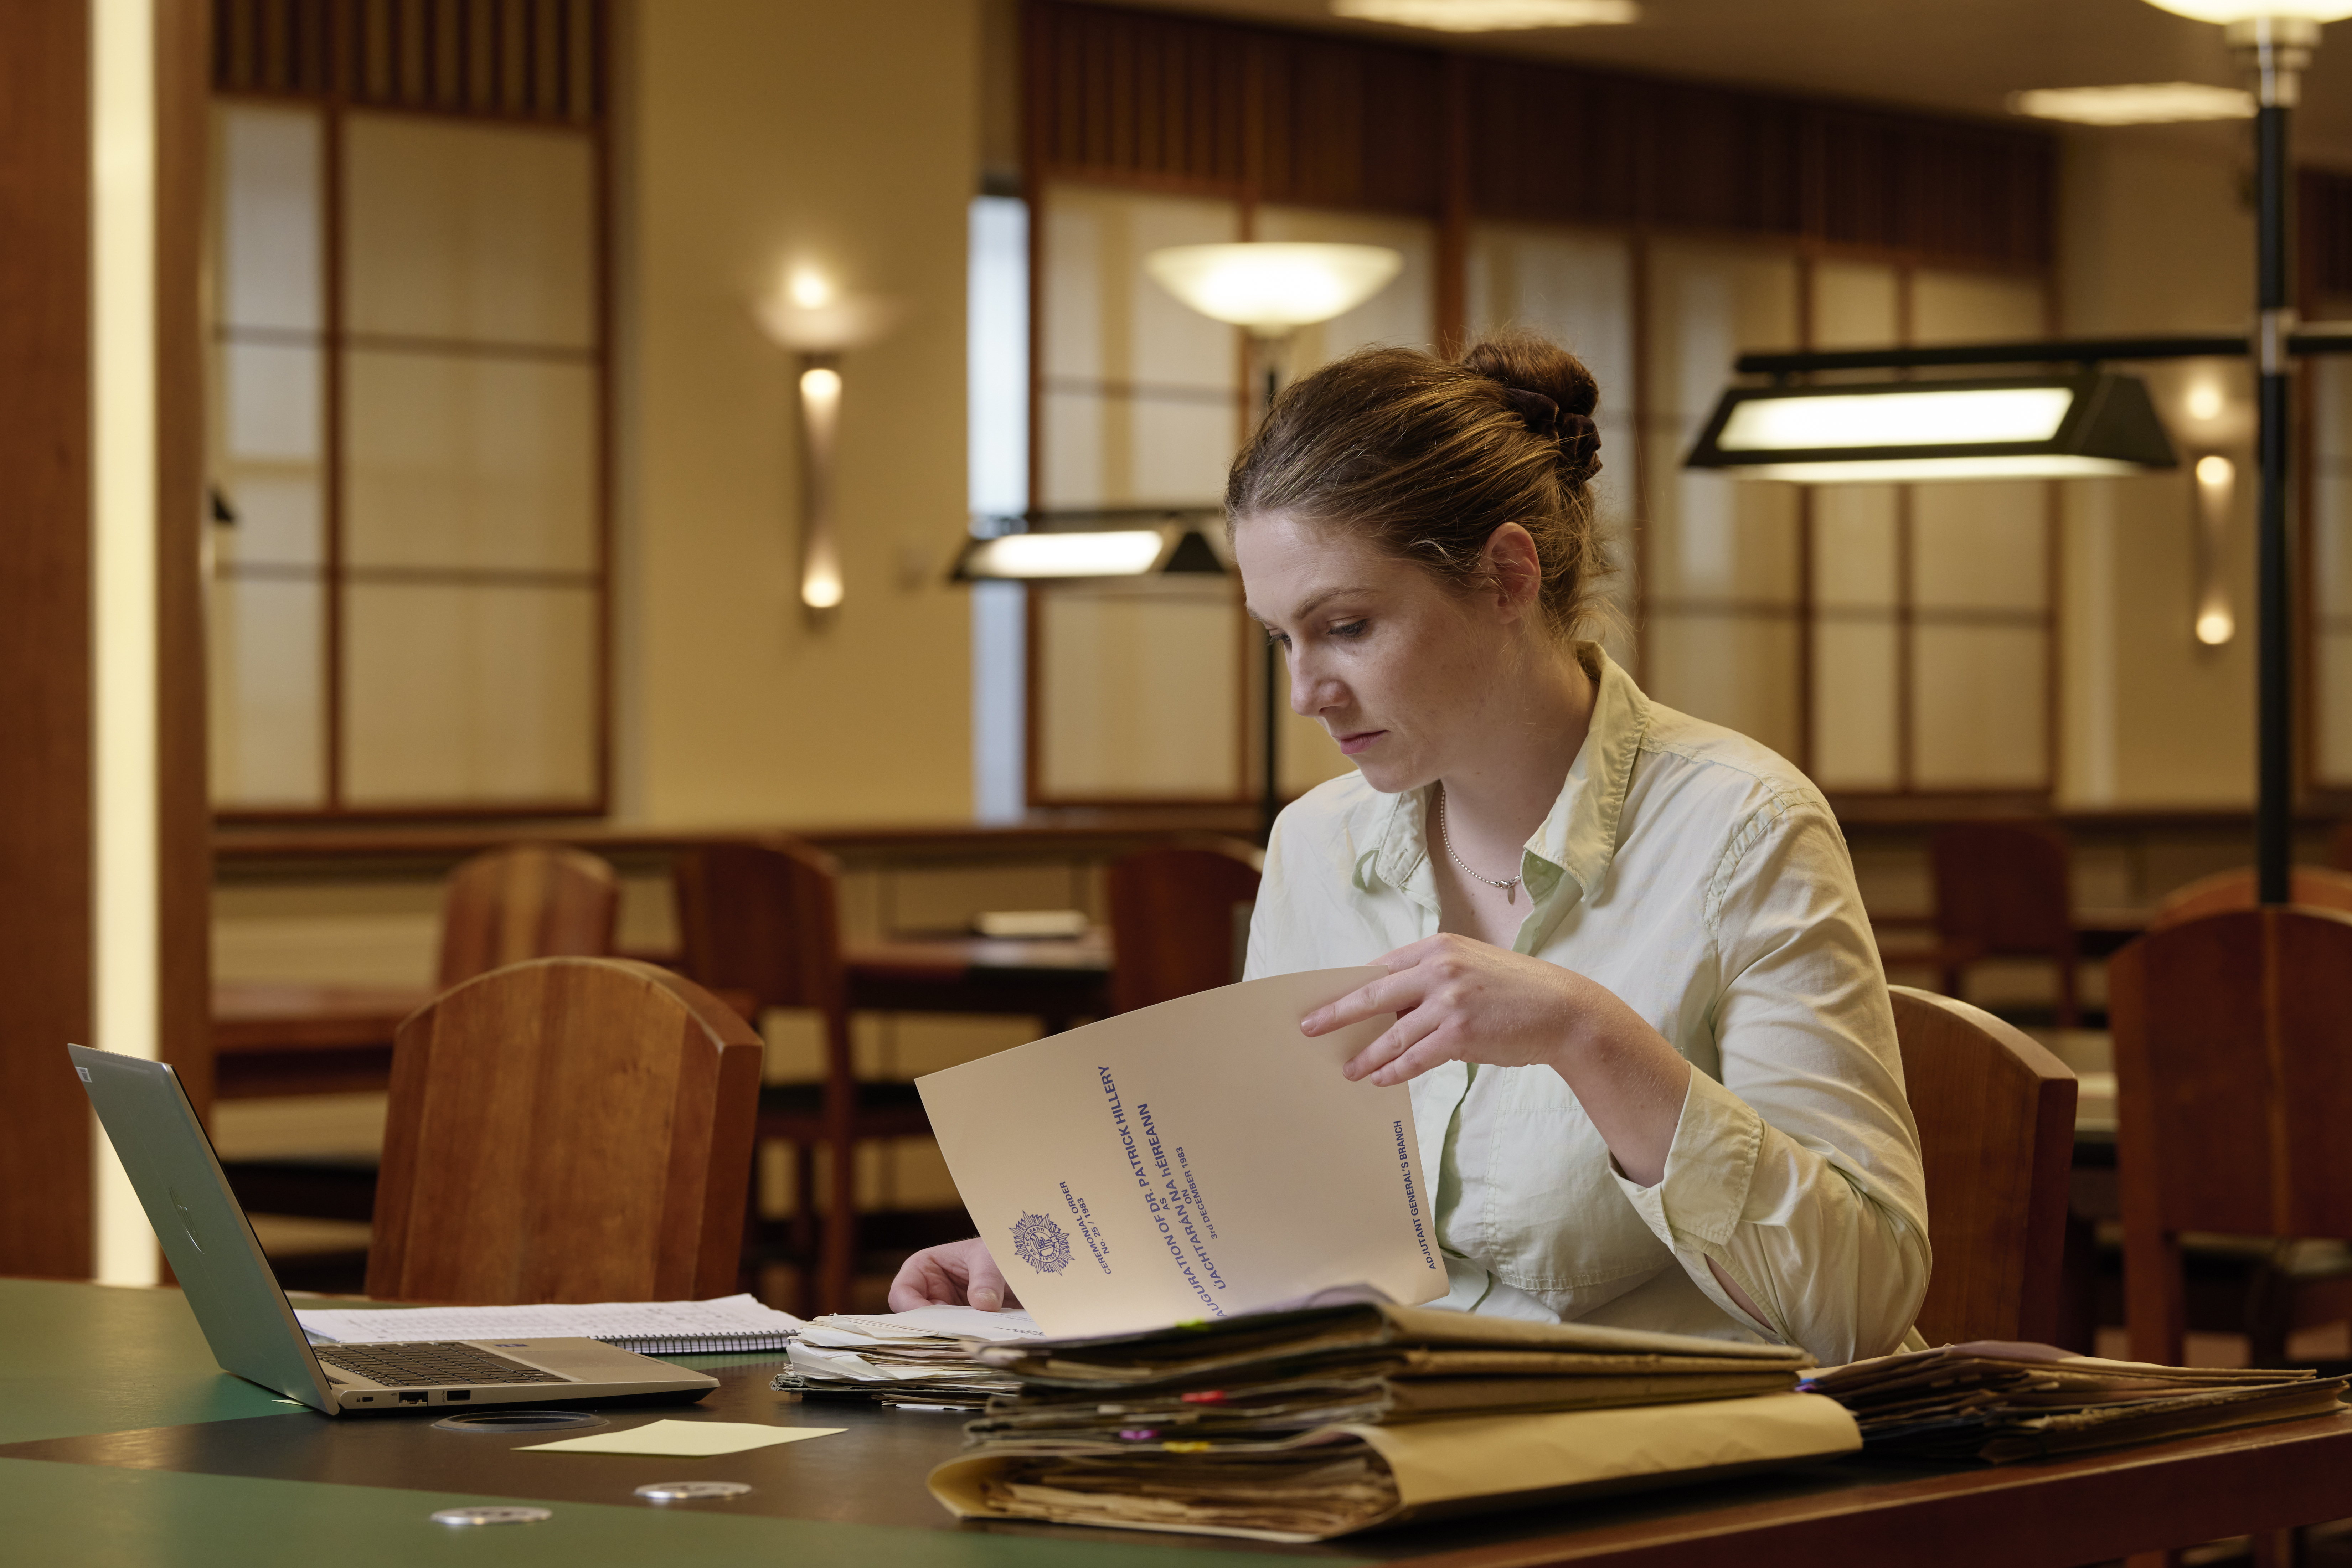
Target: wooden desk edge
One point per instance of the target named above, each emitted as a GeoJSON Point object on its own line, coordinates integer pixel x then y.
{"type": "Point", "coordinates": [2241, 1482]}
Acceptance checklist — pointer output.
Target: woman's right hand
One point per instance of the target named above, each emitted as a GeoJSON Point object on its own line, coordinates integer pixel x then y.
{"type": "Point", "coordinates": [959, 1274]}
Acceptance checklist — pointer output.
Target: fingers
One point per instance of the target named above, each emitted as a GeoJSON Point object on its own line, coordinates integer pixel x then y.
{"type": "Point", "coordinates": [985, 1288]}
{"type": "Point", "coordinates": [1397, 994]}
{"type": "Point", "coordinates": [1400, 1037]}
{"type": "Point", "coordinates": [921, 1282]}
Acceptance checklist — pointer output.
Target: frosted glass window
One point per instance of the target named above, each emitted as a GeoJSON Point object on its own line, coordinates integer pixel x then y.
{"type": "Point", "coordinates": [266, 371]}
{"type": "Point", "coordinates": [1722, 639]}
{"type": "Point", "coordinates": [473, 462]}
{"type": "Point", "coordinates": [457, 578]}
{"type": "Point", "coordinates": [1857, 638]}
{"type": "Point", "coordinates": [1974, 307]}
{"type": "Point", "coordinates": [474, 693]}
{"type": "Point", "coordinates": [470, 232]}
{"type": "Point", "coordinates": [1981, 695]}
{"type": "Point", "coordinates": [1140, 401]}
{"type": "Point", "coordinates": [1140, 698]}
{"type": "Point", "coordinates": [268, 706]}
{"type": "Point", "coordinates": [1576, 288]}
{"type": "Point", "coordinates": [2331, 566]}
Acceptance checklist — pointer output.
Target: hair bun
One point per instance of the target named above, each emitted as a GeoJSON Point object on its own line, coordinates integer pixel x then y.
{"type": "Point", "coordinates": [1549, 389]}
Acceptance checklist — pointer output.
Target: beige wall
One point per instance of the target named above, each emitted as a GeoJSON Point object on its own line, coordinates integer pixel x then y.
{"type": "Point", "coordinates": [756, 136]}
{"type": "Point", "coordinates": [2153, 237]}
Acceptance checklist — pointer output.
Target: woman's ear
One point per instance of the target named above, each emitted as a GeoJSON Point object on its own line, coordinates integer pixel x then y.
{"type": "Point", "coordinates": [1514, 569]}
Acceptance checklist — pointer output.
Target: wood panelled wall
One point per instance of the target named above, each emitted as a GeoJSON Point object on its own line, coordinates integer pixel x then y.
{"type": "Point", "coordinates": [46, 824]}
{"type": "Point", "coordinates": [525, 60]}
{"type": "Point", "coordinates": [44, 675]}
{"type": "Point", "coordinates": [1258, 114]}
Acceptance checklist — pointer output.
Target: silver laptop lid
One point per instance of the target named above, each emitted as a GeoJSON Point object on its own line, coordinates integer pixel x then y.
{"type": "Point", "coordinates": [214, 1252]}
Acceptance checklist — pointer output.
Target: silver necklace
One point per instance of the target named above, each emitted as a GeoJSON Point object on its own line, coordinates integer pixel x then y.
{"type": "Point", "coordinates": [1510, 887]}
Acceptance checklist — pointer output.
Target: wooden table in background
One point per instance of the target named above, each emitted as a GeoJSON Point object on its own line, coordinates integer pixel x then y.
{"type": "Point", "coordinates": [272, 1038]}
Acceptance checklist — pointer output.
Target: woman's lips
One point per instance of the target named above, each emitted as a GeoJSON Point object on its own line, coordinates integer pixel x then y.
{"type": "Point", "coordinates": [1350, 745]}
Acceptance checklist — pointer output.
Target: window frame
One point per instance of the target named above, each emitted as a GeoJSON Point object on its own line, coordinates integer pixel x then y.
{"type": "Point", "coordinates": [542, 66]}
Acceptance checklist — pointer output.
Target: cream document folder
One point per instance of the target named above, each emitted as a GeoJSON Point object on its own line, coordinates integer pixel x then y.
{"type": "Point", "coordinates": [1193, 1160]}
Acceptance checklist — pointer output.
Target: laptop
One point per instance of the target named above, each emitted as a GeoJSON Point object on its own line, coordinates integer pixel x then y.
{"type": "Point", "coordinates": [252, 1330]}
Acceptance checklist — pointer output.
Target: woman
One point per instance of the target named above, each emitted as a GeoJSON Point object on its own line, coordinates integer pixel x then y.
{"type": "Point", "coordinates": [1652, 1057]}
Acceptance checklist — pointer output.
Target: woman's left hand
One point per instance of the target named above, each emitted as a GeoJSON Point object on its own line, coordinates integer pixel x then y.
{"type": "Point", "coordinates": [1457, 999]}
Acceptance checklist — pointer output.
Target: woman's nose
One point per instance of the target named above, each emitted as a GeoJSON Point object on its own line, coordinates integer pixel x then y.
{"type": "Point", "coordinates": [1306, 689]}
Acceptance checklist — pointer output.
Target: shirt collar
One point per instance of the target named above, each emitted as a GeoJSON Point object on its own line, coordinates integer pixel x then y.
{"type": "Point", "coordinates": [1579, 835]}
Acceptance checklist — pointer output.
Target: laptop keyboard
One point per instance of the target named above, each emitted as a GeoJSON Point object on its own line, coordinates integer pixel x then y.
{"type": "Point", "coordinates": [429, 1364]}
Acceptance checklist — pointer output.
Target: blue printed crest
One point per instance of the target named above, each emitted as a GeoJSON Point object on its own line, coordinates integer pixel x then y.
{"type": "Point", "coordinates": [1040, 1243]}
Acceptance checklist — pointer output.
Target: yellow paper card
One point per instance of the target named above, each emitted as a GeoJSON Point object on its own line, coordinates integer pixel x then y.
{"type": "Point", "coordinates": [683, 1440]}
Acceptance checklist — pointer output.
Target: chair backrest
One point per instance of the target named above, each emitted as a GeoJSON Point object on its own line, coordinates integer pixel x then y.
{"type": "Point", "coordinates": [2234, 1083]}
{"type": "Point", "coordinates": [762, 919]}
{"type": "Point", "coordinates": [2002, 889]}
{"type": "Point", "coordinates": [1996, 1115]}
{"type": "Point", "coordinates": [525, 900]}
{"type": "Point", "coordinates": [2315, 887]}
{"type": "Point", "coordinates": [1173, 919]}
{"type": "Point", "coordinates": [566, 1130]}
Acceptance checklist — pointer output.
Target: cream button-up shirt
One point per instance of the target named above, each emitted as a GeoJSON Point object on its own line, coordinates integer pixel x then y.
{"type": "Point", "coordinates": [1703, 880]}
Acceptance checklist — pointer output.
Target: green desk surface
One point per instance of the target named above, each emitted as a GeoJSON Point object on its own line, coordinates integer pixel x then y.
{"type": "Point", "coordinates": [121, 1446]}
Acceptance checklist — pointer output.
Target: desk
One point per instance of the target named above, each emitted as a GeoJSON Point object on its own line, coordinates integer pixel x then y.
{"type": "Point", "coordinates": [1056, 981]}
{"type": "Point", "coordinates": [272, 1038]}
{"type": "Point", "coordinates": [121, 1446]}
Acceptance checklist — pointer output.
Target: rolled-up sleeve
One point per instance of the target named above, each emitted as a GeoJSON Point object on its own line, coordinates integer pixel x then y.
{"type": "Point", "coordinates": [1795, 1163]}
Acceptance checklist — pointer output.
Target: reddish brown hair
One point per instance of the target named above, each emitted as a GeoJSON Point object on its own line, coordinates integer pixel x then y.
{"type": "Point", "coordinates": [1427, 456]}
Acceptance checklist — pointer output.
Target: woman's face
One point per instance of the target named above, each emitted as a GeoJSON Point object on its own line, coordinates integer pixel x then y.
{"type": "Point", "coordinates": [1397, 666]}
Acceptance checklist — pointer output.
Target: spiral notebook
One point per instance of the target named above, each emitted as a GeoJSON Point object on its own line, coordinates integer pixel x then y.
{"type": "Point", "coordinates": [649, 1327]}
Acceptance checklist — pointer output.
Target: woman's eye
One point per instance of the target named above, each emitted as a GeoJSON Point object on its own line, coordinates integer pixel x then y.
{"type": "Point", "coordinates": [1349, 629]}
{"type": "Point", "coordinates": [1276, 639]}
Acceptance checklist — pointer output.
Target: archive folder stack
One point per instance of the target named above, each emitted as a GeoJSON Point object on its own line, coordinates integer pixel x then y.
{"type": "Point", "coordinates": [1304, 1425]}
{"type": "Point", "coordinates": [2000, 1402]}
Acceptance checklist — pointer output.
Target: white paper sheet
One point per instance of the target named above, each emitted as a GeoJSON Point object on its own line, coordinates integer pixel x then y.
{"type": "Point", "coordinates": [1193, 1160]}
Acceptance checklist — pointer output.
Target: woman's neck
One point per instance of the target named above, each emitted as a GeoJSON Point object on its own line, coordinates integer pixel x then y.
{"type": "Point", "coordinates": [1516, 750]}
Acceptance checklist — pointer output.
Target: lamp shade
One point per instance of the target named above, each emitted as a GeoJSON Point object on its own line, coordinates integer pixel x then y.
{"type": "Point", "coordinates": [2078, 426]}
{"type": "Point", "coordinates": [1066, 554]}
{"type": "Point", "coordinates": [2226, 11]}
{"type": "Point", "coordinates": [1490, 16]}
{"type": "Point", "coordinates": [1272, 287]}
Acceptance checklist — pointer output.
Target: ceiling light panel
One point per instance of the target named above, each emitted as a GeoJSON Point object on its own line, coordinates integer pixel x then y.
{"type": "Point", "coordinates": [2143, 103]}
{"type": "Point", "coordinates": [1490, 16]}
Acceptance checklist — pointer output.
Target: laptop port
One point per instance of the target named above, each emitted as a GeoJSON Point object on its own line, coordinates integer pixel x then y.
{"type": "Point", "coordinates": [416, 1398]}
{"type": "Point", "coordinates": [458, 1394]}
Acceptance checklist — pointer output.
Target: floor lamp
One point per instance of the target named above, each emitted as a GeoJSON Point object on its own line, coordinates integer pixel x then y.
{"type": "Point", "coordinates": [1272, 289]}
{"type": "Point", "coordinates": [2098, 426]}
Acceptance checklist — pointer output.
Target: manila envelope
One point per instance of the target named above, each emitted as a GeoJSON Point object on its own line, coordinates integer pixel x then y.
{"type": "Point", "coordinates": [1195, 1160]}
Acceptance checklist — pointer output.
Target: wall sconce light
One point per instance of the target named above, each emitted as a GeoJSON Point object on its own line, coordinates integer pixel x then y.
{"type": "Point", "coordinates": [2217, 480]}
{"type": "Point", "coordinates": [809, 316]}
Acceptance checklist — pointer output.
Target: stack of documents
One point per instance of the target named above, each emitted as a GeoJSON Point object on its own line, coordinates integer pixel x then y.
{"type": "Point", "coordinates": [1302, 1425]}
{"type": "Point", "coordinates": [922, 1357]}
{"type": "Point", "coordinates": [1998, 1402]}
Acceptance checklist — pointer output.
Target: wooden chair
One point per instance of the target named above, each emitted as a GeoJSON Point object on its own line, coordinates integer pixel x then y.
{"type": "Point", "coordinates": [2003, 892]}
{"type": "Point", "coordinates": [2233, 1080]}
{"type": "Point", "coordinates": [763, 920]}
{"type": "Point", "coordinates": [1996, 1116]}
{"type": "Point", "coordinates": [566, 1130]}
{"type": "Point", "coordinates": [1177, 922]}
{"type": "Point", "coordinates": [2314, 887]}
{"type": "Point", "coordinates": [525, 900]}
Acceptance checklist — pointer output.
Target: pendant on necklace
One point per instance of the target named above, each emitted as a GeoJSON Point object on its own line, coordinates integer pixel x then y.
{"type": "Point", "coordinates": [1511, 891]}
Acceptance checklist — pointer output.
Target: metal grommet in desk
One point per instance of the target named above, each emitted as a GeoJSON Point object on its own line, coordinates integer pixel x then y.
{"type": "Point", "coordinates": [496, 1421]}
{"type": "Point", "coordinates": [499, 1515]}
{"type": "Point", "coordinates": [689, 1492]}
